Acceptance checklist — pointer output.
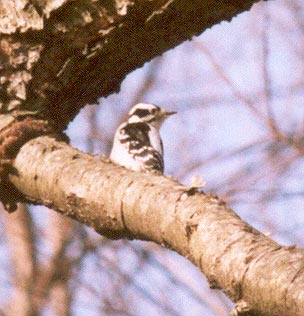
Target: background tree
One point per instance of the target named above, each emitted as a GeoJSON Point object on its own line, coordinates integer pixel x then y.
{"type": "Point", "coordinates": [71, 270]}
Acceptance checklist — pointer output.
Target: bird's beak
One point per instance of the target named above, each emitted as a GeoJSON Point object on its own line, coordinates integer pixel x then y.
{"type": "Point", "coordinates": [170, 113]}
{"type": "Point", "coordinates": [166, 113]}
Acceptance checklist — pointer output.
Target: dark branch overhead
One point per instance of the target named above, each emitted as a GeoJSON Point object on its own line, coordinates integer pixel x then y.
{"type": "Point", "coordinates": [54, 60]}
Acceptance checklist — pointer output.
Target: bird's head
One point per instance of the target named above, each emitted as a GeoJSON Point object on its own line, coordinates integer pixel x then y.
{"type": "Point", "coordinates": [148, 113]}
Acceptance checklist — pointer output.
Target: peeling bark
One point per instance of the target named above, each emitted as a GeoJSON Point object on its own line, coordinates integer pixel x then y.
{"type": "Point", "coordinates": [261, 275]}
{"type": "Point", "coordinates": [57, 55]}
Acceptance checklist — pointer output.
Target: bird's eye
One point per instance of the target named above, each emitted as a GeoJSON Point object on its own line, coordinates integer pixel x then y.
{"type": "Point", "coordinates": [153, 111]}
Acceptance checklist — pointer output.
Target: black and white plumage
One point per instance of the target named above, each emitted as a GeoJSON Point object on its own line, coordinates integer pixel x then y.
{"type": "Point", "coordinates": [137, 143]}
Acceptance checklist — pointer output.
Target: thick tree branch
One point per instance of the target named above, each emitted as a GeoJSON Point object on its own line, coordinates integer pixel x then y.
{"type": "Point", "coordinates": [57, 56]}
{"type": "Point", "coordinates": [249, 267]}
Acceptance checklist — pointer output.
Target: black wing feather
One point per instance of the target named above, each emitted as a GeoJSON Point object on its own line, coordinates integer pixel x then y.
{"type": "Point", "coordinates": [136, 135]}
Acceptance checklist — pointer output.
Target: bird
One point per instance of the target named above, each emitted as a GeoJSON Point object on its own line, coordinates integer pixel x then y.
{"type": "Point", "coordinates": [137, 143]}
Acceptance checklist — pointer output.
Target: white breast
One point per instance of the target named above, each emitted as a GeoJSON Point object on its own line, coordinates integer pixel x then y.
{"type": "Point", "coordinates": [155, 139]}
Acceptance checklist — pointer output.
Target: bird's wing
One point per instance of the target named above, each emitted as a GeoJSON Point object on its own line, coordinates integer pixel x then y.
{"type": "Point", "coordinates": [136, 137]}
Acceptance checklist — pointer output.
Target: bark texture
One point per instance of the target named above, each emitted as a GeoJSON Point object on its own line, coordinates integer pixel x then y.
{"type": "Point", "coordinates": [261, 276]}
{"type": "Point", "coordinates": [57, 55]}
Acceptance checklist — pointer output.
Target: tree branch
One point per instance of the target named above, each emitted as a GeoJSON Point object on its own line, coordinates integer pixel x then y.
{"type": "Point", "coordinates": [21, 240]}
{"type": "Point", "coordinates": [59, 56]}
{"type": "Point", "coordinates": [250, 268]}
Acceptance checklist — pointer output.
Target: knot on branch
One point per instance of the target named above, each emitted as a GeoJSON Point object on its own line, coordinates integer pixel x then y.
{"type": "Point", "coordinates": [12, 137]}
{"type": "Point", "coordinates": [241, 308]}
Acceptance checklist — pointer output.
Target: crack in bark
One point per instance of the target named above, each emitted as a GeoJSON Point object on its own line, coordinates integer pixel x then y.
{"type": "Point", "coordinates": [296, 275]}
{"type": "Point", "coordinates": [178, 201]}
{"type": "Point", "coordinates": [253, 260]}
{"type": "Point", "coordinates": [122, 215]}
